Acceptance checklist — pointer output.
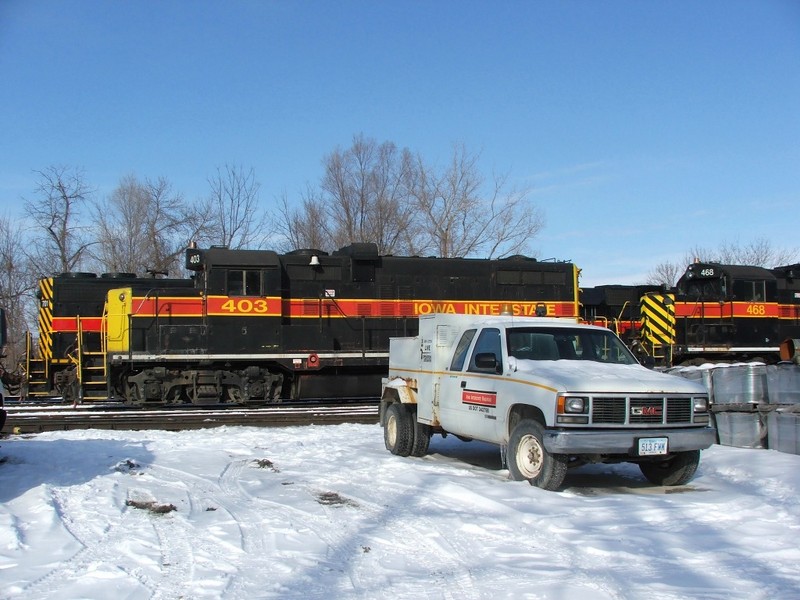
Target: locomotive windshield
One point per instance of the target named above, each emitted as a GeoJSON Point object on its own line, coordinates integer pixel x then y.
{"type": "Point", "coordinates": [559, 343]}
{"type": "Point", "coordinates": [709, 289]}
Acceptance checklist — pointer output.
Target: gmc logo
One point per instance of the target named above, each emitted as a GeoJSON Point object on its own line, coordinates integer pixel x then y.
{"type": "Point", "coordinates": [646, 411]}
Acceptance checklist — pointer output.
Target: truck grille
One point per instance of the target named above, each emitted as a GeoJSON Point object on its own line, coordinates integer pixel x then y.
{"type": "Point", "coordinates": [641, 410]}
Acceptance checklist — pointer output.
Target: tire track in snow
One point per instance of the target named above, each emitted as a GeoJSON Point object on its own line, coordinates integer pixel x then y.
{"type": "Point", "coordinates": [238, 558]}
{"type": "Point", "coordinates": [295, 533]}
{"type": "Point", "coordinates": [95, 549]}
{"type": "Point", "coordinates": [346, 562]}
{"type": "Point", "coordinates": [399, 540]}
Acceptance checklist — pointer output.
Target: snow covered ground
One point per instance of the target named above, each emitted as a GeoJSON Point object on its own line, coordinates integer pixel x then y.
{"type": "Point", "coordinates": [327, 512]}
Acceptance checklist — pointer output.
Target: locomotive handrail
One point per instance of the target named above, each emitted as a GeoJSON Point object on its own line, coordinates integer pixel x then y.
{"type": "Point", "coordinates": [154, 291]}
{"type": "Point", "coordinates": [79, 350]}
{"type": "Point", "coordinates": [325, 295]}
{"type": "Point", "coordinates": [28, 344]}
{"type": "Point", "coordinates": [622, 311]}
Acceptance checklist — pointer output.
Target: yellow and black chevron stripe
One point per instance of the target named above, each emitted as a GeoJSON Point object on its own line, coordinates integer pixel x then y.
{"type": "Point", "coordinates": [46, 318]}
{"type": "Point", "coordinates": [657, 319]}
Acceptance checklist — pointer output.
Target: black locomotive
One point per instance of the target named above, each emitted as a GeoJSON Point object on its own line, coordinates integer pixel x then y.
{"type": "Point", "coordinates": [715, 312]}
{"type": "Point", "coordinates": [255, 326]}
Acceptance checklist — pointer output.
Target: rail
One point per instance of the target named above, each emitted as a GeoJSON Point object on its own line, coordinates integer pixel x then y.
{"type": "Point", "coordinates": [25, 420]}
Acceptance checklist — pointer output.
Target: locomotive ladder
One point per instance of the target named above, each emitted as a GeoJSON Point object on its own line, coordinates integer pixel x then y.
{"type": "Point", "coordinates": [37, 377]}
{"type": "Point", "coordinates": [91, 367]}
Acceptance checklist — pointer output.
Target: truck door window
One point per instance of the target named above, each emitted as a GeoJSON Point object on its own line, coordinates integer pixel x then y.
{"type": "Point", "coordinates": [460, 355]}
{"type": "Point", "coordinates": [488, 343]}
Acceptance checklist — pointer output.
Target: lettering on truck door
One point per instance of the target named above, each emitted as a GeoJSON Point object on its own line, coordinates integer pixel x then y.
{"type": "Point", "coordinates": [468, 396]}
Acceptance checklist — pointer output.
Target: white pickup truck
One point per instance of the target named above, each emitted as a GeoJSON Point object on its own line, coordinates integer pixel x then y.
{"type": "Point", "coordinates": [551, 392]}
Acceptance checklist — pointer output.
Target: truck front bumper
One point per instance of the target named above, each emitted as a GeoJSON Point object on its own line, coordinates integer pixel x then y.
{"type": "Point", "coordinates": [615, 441]}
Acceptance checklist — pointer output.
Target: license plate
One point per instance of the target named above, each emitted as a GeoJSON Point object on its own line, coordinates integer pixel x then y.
{"type": "Point", "coordinates": [653, 446]}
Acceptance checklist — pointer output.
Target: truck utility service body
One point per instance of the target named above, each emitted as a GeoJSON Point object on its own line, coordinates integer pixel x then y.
{"type": "Point", "coordinates": [554, 392]}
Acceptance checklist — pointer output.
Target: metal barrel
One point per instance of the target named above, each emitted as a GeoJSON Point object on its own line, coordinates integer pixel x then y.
{"type": "Point", "coordinates": [790, 350]}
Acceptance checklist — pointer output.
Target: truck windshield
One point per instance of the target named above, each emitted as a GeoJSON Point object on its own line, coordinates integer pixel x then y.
{"type": "Point", "coordinates": [561, 343]}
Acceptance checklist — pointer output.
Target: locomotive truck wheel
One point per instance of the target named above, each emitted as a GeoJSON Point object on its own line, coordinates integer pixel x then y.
{"type": "Point", "coordinates": [529, 460]}
{"type": "Point", "coordinates": [398, 430]}
{"type": "Point", "coordinates": [676, 470]}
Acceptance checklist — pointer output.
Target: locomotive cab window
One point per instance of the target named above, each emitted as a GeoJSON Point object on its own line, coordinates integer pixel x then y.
{"type": "Point", "coordinates": [706, 290]}
{"type": "Point", "coordinates": [244, 282]}
{"type": "Point", "coordinates": [749, 291]}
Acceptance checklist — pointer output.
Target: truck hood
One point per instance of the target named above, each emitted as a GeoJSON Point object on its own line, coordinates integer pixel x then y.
{"type": "Point", "coordinates": [584, 376]}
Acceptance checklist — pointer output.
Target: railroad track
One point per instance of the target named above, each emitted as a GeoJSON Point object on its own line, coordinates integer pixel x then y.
{"type": "Point", "coordinates": [35, 419]}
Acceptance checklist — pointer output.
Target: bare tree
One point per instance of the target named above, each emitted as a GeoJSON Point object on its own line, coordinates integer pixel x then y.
{"type": "Point", "coordinates": [121, 225]}
{"type": "Point", "coordinates": [374, 192]}
{"type": "Point", "coordinates": [60, 241]}
{"type": "Point", "coordinates": [759, 252]}
{"type": "Point", "coordinates": [16, 284]}
{"type": "Point", "coordinates": [172, 225]}
{"type": "Point", "coordinates": [666, 273]}
{"type": "Point", "coordinates": [236, 220]}
{"type": "Point", "coordinates": [304, 227]}
{"type": "Point", "coordinates": [145, 226]}
{"type": "Point", "coordinates": [459, 215]}
{"type": "Point", "coordinates": [364, 195]}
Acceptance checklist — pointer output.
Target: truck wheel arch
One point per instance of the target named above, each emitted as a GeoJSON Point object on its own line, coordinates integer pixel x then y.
{"type": "Point", "coordinates": [389, 397]}
{"type": "Point", "coordinates": [518, 412]}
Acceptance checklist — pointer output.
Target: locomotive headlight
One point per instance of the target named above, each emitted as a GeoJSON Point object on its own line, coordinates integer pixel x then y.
{"type": "Point", "coordinates": [122, 297]}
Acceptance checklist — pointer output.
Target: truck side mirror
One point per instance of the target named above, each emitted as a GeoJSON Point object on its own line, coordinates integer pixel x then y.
{"type": "Point", "coordinates": [486, 361]}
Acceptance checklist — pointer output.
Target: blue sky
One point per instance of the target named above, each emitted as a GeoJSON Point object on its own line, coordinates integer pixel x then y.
{"type": "Point", "coordinates": [643, 128]}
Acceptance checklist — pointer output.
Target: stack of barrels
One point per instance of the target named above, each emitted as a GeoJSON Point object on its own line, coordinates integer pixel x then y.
{"type": "Point", "coordinates": [754, 405]}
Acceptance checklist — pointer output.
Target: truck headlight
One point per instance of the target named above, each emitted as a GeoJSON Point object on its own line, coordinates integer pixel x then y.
{"type": "Point", "coordinates": [574, 405]}
{"type": "Point", "coordinates": [701, 405]}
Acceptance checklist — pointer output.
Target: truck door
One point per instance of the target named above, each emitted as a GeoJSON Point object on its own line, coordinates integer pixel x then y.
{"type": "Point", "coordinates": [468, 398]}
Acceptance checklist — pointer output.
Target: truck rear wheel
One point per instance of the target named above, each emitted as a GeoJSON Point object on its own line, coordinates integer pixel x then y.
{"type": "Point", "coordinates": [677, 470]}
{"type": "Point", "coordinates": [529, 460]}
{"type": "Point", "coordinates": [422, 436]}
{"type": "Point", "coordinates": [398, 429]}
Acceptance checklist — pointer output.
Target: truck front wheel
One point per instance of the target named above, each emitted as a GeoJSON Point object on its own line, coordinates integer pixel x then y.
{"type": "Point", "coordinates": [398, 429]}
{"type": "Point", "coordinates": [677, 470]}
{"type": "Point", "coordinates": [529, 460]}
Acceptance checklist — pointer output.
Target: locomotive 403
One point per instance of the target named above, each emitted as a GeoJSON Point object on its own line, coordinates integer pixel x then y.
{"type": "Point", "coordinates": [255, 326]}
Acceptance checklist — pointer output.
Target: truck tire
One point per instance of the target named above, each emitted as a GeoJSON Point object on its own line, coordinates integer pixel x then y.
{"type": "Point", "coordinates": [422, 436]}
{"type": "Point", "coordinates": [676, 470]}
{"type": "Point", "coordinates": [528, 460]}
{"type": "Point", "coordinates": [398, 430]}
